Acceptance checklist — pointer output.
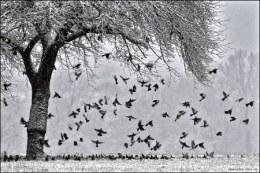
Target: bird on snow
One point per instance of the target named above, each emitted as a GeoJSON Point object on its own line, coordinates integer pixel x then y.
{"type": "Point", "coordinates": [250, 103]}
{"type": "Point", "coordinates": [205, 124]}
{"type": "Point", "coordinates": [184, 144]}
{"type": "Point", "coordinates": [140, 126]}
{"type": "Point", "coordinates": [225, 96]}
{"type": "Point", "coordinates": [239, 100]}
{"type": "Point", "coordinates": [184, 135]}
{"type": "Point", "coordinates": [56, 95]}
{"type": "Point", "coordinates": [203, 96]}
{"type": "Point", "coordinates": [196, 120]}
{"type": "Point", "coordinates": [194, 112]}
{"type": "Point", "coordinates": [246, 121]}
{"type": "Point", "coordinates": [130, 117]}
{"type": "Point", "coordinates": [124, 79]}
{"type": "Point", "coordinates": [155, 102]}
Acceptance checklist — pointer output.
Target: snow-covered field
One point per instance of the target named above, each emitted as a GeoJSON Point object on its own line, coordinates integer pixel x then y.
{"type": "Point", "coordinates": [216, 164]}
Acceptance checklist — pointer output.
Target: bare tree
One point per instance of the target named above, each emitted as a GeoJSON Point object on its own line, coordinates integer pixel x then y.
{"type": "Point", "coordinates": [36, 34]}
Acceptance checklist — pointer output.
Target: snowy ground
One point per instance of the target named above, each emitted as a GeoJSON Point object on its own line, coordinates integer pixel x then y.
{"type": "Point", "coordinates": [216, 164]}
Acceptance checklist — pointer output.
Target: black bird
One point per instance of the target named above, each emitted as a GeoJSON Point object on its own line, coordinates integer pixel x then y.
{"type": "Point", "coordinates": [69, 126]}
{"type": "Point", "coordinates": [5, 103]}
{"type": "Point", "coordinates": [140, 126]}
{"type": "Point", "coordinates": [232, 118]}
{"type": "Point", "coordinates": [132, 136]}
{"type": "Point", "coordinates": [130, 117]}
{"type": "Point", "coordinates": [97, 142]}
{"type": "Point", "coordinates": [205, 124]}
{"type": "Point", "coordinates": [203, 96]}
{"type": "Point", "coordinates": [184, 144]}
{"type": "Point", "coordinates": [164, 115]}
{"type": "Point", "coordinates": [181, 113]}
{"type": "Point", "coordinates": [78, 110]}
{"type": "Point", "coordinates": [49, 116]}
{"type": "Point", "coordinates": [86, 118]}
{"type": "Point", "coordinates": [107, 55]}
{"type": "Point", "coordinates": [146, 140]}
{"type": "Point", "coordinates": [65, 136]}
{"type": "Point", "coordinates": [194, 112]}
{"type": "Point", "coordinates": [103, 113]}
{"type": "Point", "coordinates": [124, 79]}
{"type": "Point", "coordinates": [186, 104]}
{"type": "Point", "coordinates": [210, 155]}
{"type": "Point", "coordinates": [250, 103]}
{"type": "Point", "coordinates": [196, 120]}
{"type": "Point", "coordinates": [73, 114]}
{"type": "Point", "coordinates": [75, 143]}
{"type": "Point", "coordinates": [128, 104]}
{"type": "Point", "coordinates": [201, 145]}
{"type": "Point", "coordinates": [78, 124]}
{"type": "Point", "coordinates": [132, 142]}
{"type": "Point", "coordinates": [246, 121]}
{"type": "Point", "coordinates": [77, 74]}
{"type": "Point", "coordinates": [184, 135]}
{"type": "Point", "coordinates": [56, 95]}
{"type": "Point", "coordinates": [81, 139]}
{"type": "Point", "coordinates": [157, 146]}
{"type": "Point", "coordinates": [149, 123]}
{"type": "Point", "coordinates": [213, 71]}
{"type": "Point", "coordinates": [239, 100]}
{"type": "Point", "coordinates": [25, 123]}
{"type": "Point", "coordinates": [143, 82]}
{"type": "Point", "coordinates": [115, 111]}
{"type": "Point", "coordinates": [155, 102]}
{"type": "Point", "coordinates": [131, 91]}
{"type": "Point", "coordinates": [115, 79]}
{"type": "Point", "coordinates": [139, 139]}
{"type": "Point", "coordinates": [134, 88]}
{"type": "Point", "coordinates": [100, 132]}
{"type": "Point", "coordinates": [149, 87]}
{"type": "Point", "coordinates": [77, 66]}
{"type": "Point", "coordinates": [155, 87]}
{"type": "Point", "coordinates": [228, 112]}
{"type": "Point", "coordinates": [116, 101]}
{"type": "Point", "coordinates": [225, 95]}
{"type": "Point", "coordinates": [162, 81]}
{"type": "Point", "coordinates": [45, 143]}
{"type": "Point", "coordinates": [193, 146]}
{"type": "Point", "coordinates": [126, 145]}
{"type": "Point", "coordinates": [219, 134]}
{"type": "Point", "coordinates": [62, 136]}
{"type": "Point", "coordinates": [100, 102]}
{"type": "Point", "coordinates": [6, 85]}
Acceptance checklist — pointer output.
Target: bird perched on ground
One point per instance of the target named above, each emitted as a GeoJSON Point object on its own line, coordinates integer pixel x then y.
{"type": "Point", "coordinates": [75, 143]}
{"type": "Point", "coordinates": [196, 120]}
{"type": "Point", "coordinates": [77, 66]}
{"type": "Point", "coordinates": [232, 118]}
{"type": "Point", "coordinates": [115, 111]}
{"type": "Point", "coordinates": [155, 102]}
{"type": "Point", "coordinates": [126, 145]}
{"type": "Point", "coordinates": [73, 114]}
{"type": "Point", "coordinates": [181, 113]}
{"type": "Point", "coordinates": [97, 142]}
{"type": "Point", "coordinates": [239, 100]}
{"type": "Point", "coordinates": [86, 119]}
{"type": "Point", "coordinates": [78, 124]}
{"type": "Point", "coordinates": [132, 136]}
{"type": "Point", "coordinates": [194, 112]}
{"type": "Point", "coordinates": [100, 132]}
{"type": "Point", "coordinates": [225, 96]}
{"type": "Point", "coordinates": [5, 103]}
{"type": "Point", "coordinates": [140, 126]}
{"type": "Point", "coordinates": [184, 144]}
{"type": "Point", "coordinates": [116, 101]}
{"type": "Point", "coordinates": [213, 71]}
{"type": "Point", "coordinates": [106, 55]}
{"type": "Point", "coordinates": [162, 81]}
{"type": "Point", "coordinates": [246, 121]}
{"type": "Point", "coordinates": [155, 87]}
{"type": "Point", "coordinates": [56, 95]}
{"type": "Point", "coordinates": [49, 116]}
{"type": "Point", "coordinates": [149, 87]}
{"type": "Point", "coordinates": [149, 123]}
{"type": "Point", "coordinates": [143, 82]}
{"type": "Point", "coordinates": [184, 135]}
{"type": "Point", "coordinates": [6, 85]}
{"type": "Point", "coordinates": [130, 117]}
{"type": "Point", "coordinates": [124, 79]}
{"type": "Point", "coordinates": [115, 79]}
{"type": "Point", "coordinates": [205, 124]}
{"type": "Point", "coordinates": [77, 74]}
{"type": "Point", "coordinates": [25, 123]}
{"type": "Point", "coordinates": [219, 134]}
{"type": "Point", "coordinates": [164, 115]}
{"type": "Point", "coordinates": [103, 113]}
{"type": "Point", "coordinates": [203, 96]}
{"type": "Point", "coordinates": [201, 145]}
{"type": "Point", "coordinates": [228, 112]}
{"type": "Point", "coordinates": [250, 103]}
{"type": "Point", "coordinates": [186, 104]}
{"type": "Point", "coordinates": [210, 155]}
{"type": "Point", "coordinates": [193, 146]}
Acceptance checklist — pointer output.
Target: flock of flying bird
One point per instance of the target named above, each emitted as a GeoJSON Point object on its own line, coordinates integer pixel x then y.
{"type": "Point", "coordinates": [140, 125]}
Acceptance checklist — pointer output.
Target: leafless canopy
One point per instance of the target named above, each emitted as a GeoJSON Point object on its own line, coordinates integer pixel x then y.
{"type": "Point", "coordinates": [81, 30]}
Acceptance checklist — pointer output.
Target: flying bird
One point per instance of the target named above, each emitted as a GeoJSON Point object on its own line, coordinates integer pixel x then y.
{"type": "Point", "coordinates": [250, 103]}
{"type": "Point", "coordinates": [143, 82]}
{"type": "Point", "coordinates": [164, 115]}
{"type": "Point", "coordinates": [155, 87]}
{"type": "Point", "coordinates": [103, 113]}
{"type": "Point", "coordinates": [116, 101]}
{"type": "Point", "coordinates": [132, 136]}
{"type": "Point", "coordinates": [100, 132]}
{"type": "Point", "coordinates": [184, 135]}
{"type": "Point", "coordinates": [75, 143]}
{"type": "Point", "coordinates": [205, 124]}
{"type": "Point", "coordinates": [77, 74]}
{"type": "Point", "coordinates": [203, 96]}
{"type": "Point", "coordinates": [239, 100]}
{"type": "Point", "coordinates": [219, 134]}
{"type": "Point", "coordinates": [126, 145]}
{"type": "Point", "coordinates": [194, 112]}
{"type": "Point", "coordinates": [149, 123]}
{"type": "Point", "coordinates": [213, 71]}
{"type": "Point", "coordinates": [97, 142]}
{"type": "Point", "coordinates": [115, 79]}
{"type": "Point", "coordinates": [131, 90]}
{"type": "Point", "coordinates": [70, 127]}
{"type": "Point", "coordinates": [184, 144]}
{"type": "Point", "coordinates": [201, 145]}
{"type": "Point", "coordinates": [157, 146]}
{"type": "Point", "coordinates": [149, 87]}
{"type": "Point", "coordinates": [45, 143]}
{"type": "Point", "coordinates": [77, 66]}
{"type": "Point", "coordinates": [86, 119]}
{"type": "Point", "coordinates": [155, 102]}
{"type": "Point", "coordinates": [78, 124]}
{"type": "Point", "coordinates": [5, 103]}
{"type": "Point", "coordinates": [78, 109]}
{"type": "Point", "coordinates": [193, 146]}
{"type": "Point", "coordinates": [246, 121]}
{"type": "Point", "coordinates": [134, 88]}
{"type": "Point", "coordinates": [60, 142]}
{"type": "Point", "coordinates": [210, 155]}
{"type": "Point", "coordinates": [56, 95]}
{"type": "Point", "coordinates": [107, 55]}
{"type": "Point", "coordinates": [6, 85]}
{"type": "Point", "coordinates": [196, 120]}
{"type": "Point", "coordinates": [228, 112]}
{"type": "Point", "coordinates": [100, 102]}
{"type": "Point", "coordinates": [132, 142]}
{"type": "Point", "coordinates": [146, 140]}
{"type": "Point", "coordinates": [73, 114]}
{"type": "Point", "coordinates": [140, 126]}
{"type": "Point", "coordinates": [130, 117]}
{"type": "Point", "coordinates": [232, 118]}
{"type": "Point", "coordinates": [25, 123]}
{"type": "Point", "coordinates": [162, 81]}
{"type": "Point", "coordinates": [181, 113]}
{"type": "Point", "coordinates": [225, 96]}
{"type": "Point", "coordinates": [124, 79]}
{"type": "Point", "coordinates": [139, 139]}
{"type": "Point", "coordinates": [115, 111]}
{"type": "Point", "coordinates": [65, 136]}
{"type": "Point", "coordinates": [186, 104]}
{"type": "Point", "coordinates": [49, 116]}
{"type": "Point", "coordinates": [106, 99]}
{"type": "Point", "coordinates": [128, 104]}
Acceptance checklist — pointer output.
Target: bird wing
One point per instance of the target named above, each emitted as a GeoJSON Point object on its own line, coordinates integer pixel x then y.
{"type": "Point", "coordinates": [193, 110]}
{"type": "Point", "coordinates": [99, 142]}
{"type": "Point", "coordinates": [133, 117]}
{"type": "Point", "coordinates": [139, 123]}
{"type": "Point", "coordinates": [224, 94]}
{"type": "Point", "coordinates": [98, 130]}
{"type": "Point", "coordinates": [94, 141]}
